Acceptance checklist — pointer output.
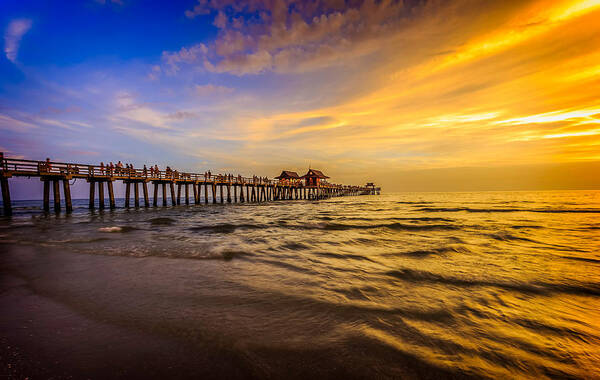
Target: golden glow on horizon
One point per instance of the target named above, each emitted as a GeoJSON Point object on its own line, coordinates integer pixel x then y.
{"type": "Point", "coordinates": [511, 95]}
{"type": "Point", "coordinates": [508, 83]}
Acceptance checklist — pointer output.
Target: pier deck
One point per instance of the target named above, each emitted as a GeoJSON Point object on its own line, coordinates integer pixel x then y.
{"type": "Point", "coordinates": [256, 189]}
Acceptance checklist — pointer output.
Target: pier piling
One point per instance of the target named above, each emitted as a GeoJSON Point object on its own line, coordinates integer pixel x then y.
{"type": "Point", "coordinates": [7, 205]}
{"type": "Point", "coordinates": [56, 195]}
{"type": "Point", "coordinates": [100, 195]}
{"type": "Point", "coordinates": [67, 194]}
{"type": "Point", "coordinates": [145, 189]}
{"type": "Point", "coordinates": [111, 195]}
{"type": "Point", "coordinates": [155, 199]}
{"type": "Point", "coordinates": [136, 194]}
{"type": "Point", "coordinates": [92, 195]}
{"type": "Point", "coordinates": [127, 193]}
{"type": "Point", "coordinates": [173, 200]}
{"type": "Point", "coordinates": [46, 195]}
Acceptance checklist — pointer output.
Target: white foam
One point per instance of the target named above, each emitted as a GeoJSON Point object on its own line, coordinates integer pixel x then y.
{"type": "Point", "coordinates": [110, 229]}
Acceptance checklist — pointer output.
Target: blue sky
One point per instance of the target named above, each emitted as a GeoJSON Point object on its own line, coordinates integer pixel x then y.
{"type": "Point", "coordinates": [364, 90]}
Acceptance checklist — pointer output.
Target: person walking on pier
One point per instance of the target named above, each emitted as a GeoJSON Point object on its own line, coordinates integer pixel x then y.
{"type": "Point", "coordinates": [101, 168]}
{"type": "Point", "coordinates": [145, 171]}
{"type": "Point", "coordinates": [111, 168]}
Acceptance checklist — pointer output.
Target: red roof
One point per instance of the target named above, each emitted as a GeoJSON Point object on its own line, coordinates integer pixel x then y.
{"type": "Point", "coordinates": [314, 173]}
{"type": "Point", "coordinates": [288, 174]}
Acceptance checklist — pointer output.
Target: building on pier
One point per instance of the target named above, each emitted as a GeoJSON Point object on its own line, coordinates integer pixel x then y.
{"type": "Point", "coordinates": [288, 174]}
{"type": "Point", "coordinates": [288, 177]}
{"type": "Point", "coordinates": [313, 177]}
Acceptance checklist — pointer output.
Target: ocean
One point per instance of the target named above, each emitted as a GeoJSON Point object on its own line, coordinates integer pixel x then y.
{"type": "Point", "coordinates": [403, 285]}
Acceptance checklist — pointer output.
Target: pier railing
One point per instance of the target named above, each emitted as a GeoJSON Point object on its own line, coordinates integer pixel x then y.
{"type": "Point", "coordinates": [23, 167]}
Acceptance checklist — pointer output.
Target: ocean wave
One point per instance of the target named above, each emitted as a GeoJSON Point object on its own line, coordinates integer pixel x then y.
{"type": "Point", "coordinates": [413, 203]}
{"type": "Point", "coordinates": [225, 228]}
{"type": "Point", "coordinates": [294, 246]}
{"type": "Point", "coordinates": [285, 265]}
{"type": "Point", "coordinates": [391, 226]}
{"type": "Point", "coordinates": [228, 255]}
{"type": "Point", "coordinates": [586, 259]}
{"type": "Point", "coordinates": [344, 256]}
{"type": "Point", "coordinates": [505, 236]}
{"type": "Point", "coordinates": [522, 227]}
{"type": "Point", "coordinates": [541, 288]}
{"type": "Point", "coordinates": [80, 241]}
{"type": "Point", "coordinates": [162, 221]}
{"type": "Point", "coordinates": [407, 218]}
{"type": "Point", "coordinates": [539, 210]}
{"type": "Point", "coordinates": [121, 229]}
{"type": "Point", "coordinates": [439, 251]}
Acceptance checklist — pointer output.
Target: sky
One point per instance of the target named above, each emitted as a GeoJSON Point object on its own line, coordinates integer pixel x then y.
{"type": "Point", "coordinates": [413, 95]}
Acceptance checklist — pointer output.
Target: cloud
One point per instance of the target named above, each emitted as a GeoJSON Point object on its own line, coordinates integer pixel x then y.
{"type": "Point", "coordinates": [290, 35]}
{"type": "Point", "coordinates": [12, 37]}
{"type": "Point", "coordinates": [372, 87]}
{"type": "Point", "coordinates": [154, 72]}
{"type": "Point", "coordinates": [181, 115]}
{"type": "Point", "coordinates": [11, 124]}
{"type": "Point", "coordinates": [210, 89]}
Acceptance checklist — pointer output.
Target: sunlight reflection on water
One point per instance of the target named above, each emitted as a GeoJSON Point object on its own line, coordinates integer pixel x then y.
{"type": "Point", "coordinates": [499, 284]}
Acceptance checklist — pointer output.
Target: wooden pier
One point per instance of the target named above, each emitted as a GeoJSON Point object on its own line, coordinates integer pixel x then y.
{"type": "Point", "coordinates": [222, 188]}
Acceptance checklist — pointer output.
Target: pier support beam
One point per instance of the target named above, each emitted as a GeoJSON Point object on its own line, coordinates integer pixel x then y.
{"type": "Point", "coordinates": [196, 193]}
{"type": "Point", "coordinates": [7, 206]}
{"type": "Point", "coordinates": [136, 194]}
{"type": "Point", "coordinates": [101, 195]}
{"type": "Point", "coordinates": [221, 192]}
{"type": "Point", "coordinates": [146, 200]}
{"type": "Point", "coordinates": [178, 193]}
{"type": "Point", "coordinates": [67, 193]}
{"type": "Point", "coordinates": [164, 193]}
{"type": "Point", "coordinates": [127, 193]}
{"type": "Point", "coordinates": [173, 200]}
{"type": "Point", "coordinates": [228, 193]}
{"type": "Point", "coordinates": [111, 195]}
{"type": "Point", "coordinates": [205, 193]}
{"type": "Point", "coordinates": [235, 194]}
{"type": "Point", "coordinates": [56, 196]}
{"type": "Point", "coordinates": [47, 195]}
{"type": "Point", "coordinates": [155, 199]}
{"type": "Point", "coordinates": [242, 194]}
{"type": "Point", "coordinates": [92, 195]}
{"type": "Point", "coordinates": [214, 193]}
{"type": "Point", "coordinates": [187, 193]}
